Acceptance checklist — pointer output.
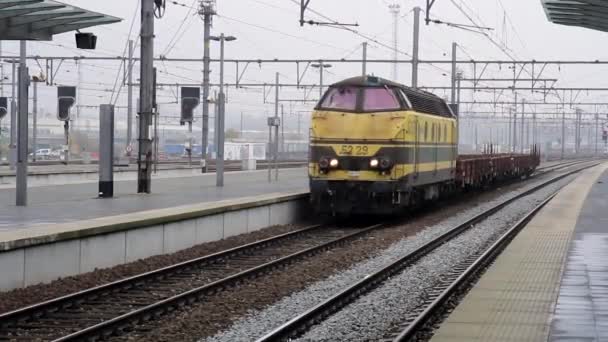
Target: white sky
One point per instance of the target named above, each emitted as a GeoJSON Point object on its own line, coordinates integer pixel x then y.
{"type": "Point", "coordinates": [270, 29]}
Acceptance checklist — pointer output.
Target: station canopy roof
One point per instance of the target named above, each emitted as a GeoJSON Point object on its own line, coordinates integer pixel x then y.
{"type": "Point", "coordinates": [591, 14]}
{"type": "Point", "coordinates": [41, 19]}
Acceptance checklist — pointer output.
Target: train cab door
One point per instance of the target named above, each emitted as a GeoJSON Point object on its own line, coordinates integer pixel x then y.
{"type": "Point", "coordinates": [401, 168]}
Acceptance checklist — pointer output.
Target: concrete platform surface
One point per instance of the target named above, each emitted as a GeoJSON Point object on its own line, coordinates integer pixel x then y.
{"type": "Point", "coordinates": [72, 202]}
{"type": "Point", "coordinates": [528, 294]}
{"type": "Point", "coordinates": [84, 168]}
{"type": "Point", "coordinates": [21, 238]}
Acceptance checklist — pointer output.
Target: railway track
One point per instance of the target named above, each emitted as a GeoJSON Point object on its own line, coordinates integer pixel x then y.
{"type": "Point", "coordinates": [117, 307]}
{"type": "Point", "coordinates": [317, 314]}
{"type": "Point", "coordinates": [562, 165]}
{"type": "Point", "coordinates": [420, 324]}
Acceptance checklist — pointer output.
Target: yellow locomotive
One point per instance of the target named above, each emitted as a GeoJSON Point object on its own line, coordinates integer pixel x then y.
{"type": "Point", "coordinates": [377, 146]}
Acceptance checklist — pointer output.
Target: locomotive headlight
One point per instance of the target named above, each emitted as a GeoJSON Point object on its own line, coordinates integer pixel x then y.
{"type": "Point", "coordinates": [334, 163]}
{"type": "Point", "coordinates": [374, 163]}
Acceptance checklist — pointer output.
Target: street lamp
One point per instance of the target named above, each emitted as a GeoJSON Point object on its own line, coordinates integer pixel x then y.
{"type": "Point", "coordinates": [36, 80]}
{"type": "Point", "coordinates": [220, 120]}
{"type": "Point", "coordinates": [13, 127]}
{"type": "Point", "coordinates": [321, 66]}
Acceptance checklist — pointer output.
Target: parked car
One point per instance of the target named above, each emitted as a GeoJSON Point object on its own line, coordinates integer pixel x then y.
{"type": "Point", "coordinates": [42, 154]}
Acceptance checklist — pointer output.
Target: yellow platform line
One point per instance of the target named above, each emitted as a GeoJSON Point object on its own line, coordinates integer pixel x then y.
{"type": "Point", "coordinates": [515, 299]}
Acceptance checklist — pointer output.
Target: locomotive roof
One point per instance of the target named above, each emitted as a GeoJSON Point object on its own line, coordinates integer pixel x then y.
{"type": "Point", "coordinates": [420, 100]}
{"type": "Point", "coordinates": [374, 81]}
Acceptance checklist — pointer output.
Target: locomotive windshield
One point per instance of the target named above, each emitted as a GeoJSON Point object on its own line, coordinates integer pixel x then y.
{"type": "Point", "coordinates": [341, 98]}
{"type": "Point", "coordinates": [361, 99]}
{"type": "Point", "coordinates": [379, 99]}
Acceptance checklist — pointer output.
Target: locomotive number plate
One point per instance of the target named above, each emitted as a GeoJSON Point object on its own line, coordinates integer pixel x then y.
{"type": "Point", "coordinates": [354, 174]}
{"type": "Point", "coordinates": [354, 150]}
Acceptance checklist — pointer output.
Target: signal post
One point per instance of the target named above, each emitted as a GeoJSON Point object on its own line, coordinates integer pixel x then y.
{"type": "Point", "coordinates": [66, 97]}
{"type": "Point", "coordinates": [190, 97]}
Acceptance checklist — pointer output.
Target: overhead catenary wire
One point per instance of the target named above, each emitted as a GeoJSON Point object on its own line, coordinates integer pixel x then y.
{"type": "Point", "coordinates": [179, 33]}
{"type": "Point", "coordinates": [113, 99]}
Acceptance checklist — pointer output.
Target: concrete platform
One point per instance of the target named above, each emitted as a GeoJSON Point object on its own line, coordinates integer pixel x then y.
{"type": "Point", "coordinates": [59, 174]}
{"type": "Point", "coordinates": [45, 253]}
{"type": "Point", "coordinates": [72, 202]}
{"type": "Point", "coordinates": [551, 282]}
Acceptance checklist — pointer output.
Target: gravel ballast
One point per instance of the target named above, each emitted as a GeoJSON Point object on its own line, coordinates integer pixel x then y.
{"type": "Point", "coordinates": [373, 314]}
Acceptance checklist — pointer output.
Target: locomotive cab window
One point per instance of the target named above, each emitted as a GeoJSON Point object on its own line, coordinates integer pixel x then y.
{"type": "Point", "coordinates": [380, 99]}
{"type": "Point", "coordinates": [362, 99]}
{"type": "Point", "coordinates": [341, 98]}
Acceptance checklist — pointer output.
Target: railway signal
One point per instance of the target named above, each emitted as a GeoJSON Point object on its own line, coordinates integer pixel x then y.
{"type": "Point", "coordinates": [190, 100]}
{"type": "Point", "coordinates": [66, 98]}
{"type": "Point", "coordinates": [3, 107]}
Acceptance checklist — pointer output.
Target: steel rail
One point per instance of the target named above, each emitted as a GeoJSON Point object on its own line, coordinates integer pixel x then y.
{"type": "Point", "coordinates": [38, 310]}
{"type": "Point", "coordinates": [300, 324]}
{"type": "Point", "coordinates": [437, 305]}
{"type": "Point", "coordinates": [563, 165]}
{"type": "Point", "coordinates": [117, 324]}
{"type": "Point", "coordinates": [560, 165]}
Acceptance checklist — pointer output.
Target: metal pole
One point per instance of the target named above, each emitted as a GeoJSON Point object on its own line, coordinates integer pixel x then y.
{"type": "Point", "coordinates": [364, 64]}
{"type": "Point", "coordinates": [208, 13]}
{"type": "Point", "coordinates": [563, 132]}
{"type": "Point", "coordinates": [66, 133]}
{"type": "Point", "coordinates": [458, 93]}
{"type": "Point", "coordinates": [299, 125]}
{"type": "Point", "coordinates": [523, 119]}
{"type": "Point", "coordinates": [282, 129]}
{"type": "Point", "coordinates": [578, 131]}
{"type": "Point", "coordinates": [597, 127]}
{"type": "Point", "coordinates": [534, 129]}
{"type": "Point", "coordinates": [130, 98]}
{"type": "Point", "coordinates": [23, 128]}
{"type": "Point", "coordinates": [269, 153]}
{"type": "Point", "coordinates": [458, 113]}
{"type": "Point", "coordinates": [476, 137]}
{"type": "Point", "coordinates": [144, 157]}
{"type": "Point", "coordinates": [220, 120]}
{"type": "Point", "coordinates": [321, 68]}
{"type": "Point", "coordinates": [190, 147]}
{"type": "Point", "coordinates": [509, 135]}
{"type": "Point", "coordinates": [216, 114]}
{"type": "Point", "coordinates": [35, 118]}
{"type": "Point", "coordinates": [276, 128]}
{"type": "Point", "coordinates": [394, 8]}
{"type": "Point", "coordinates": [454, 46]}
{"type": "Point", "coordinates": [76, 120]}
{"type": "Point", "coordinates": [106, 151]}
{"type": "Point", "coordinates": [156, 139]}
{"type": "Point", "coordinates": [13, 141]}
{"type": "Point", "coordinates": [241, 135]}
{"type": "Point", "coordinates": [416, 46]}
{"type": "Point", "coordinates": [514, 148]}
